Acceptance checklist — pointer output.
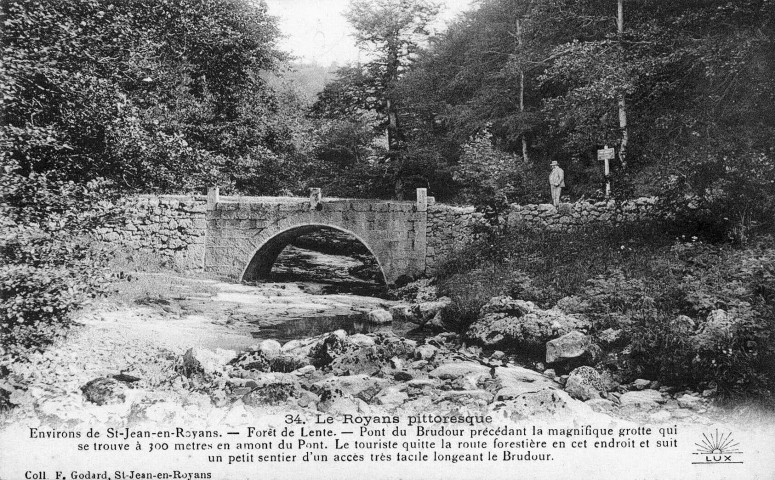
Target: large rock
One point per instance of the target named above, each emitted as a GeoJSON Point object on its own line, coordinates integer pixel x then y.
{"type": "Point", "coordinates": [545, 403]}
{"type": "Point", "coordinates": [513, 381]}
{"type": "Point", "coordinates": [571, 347]}
{"type": "Point", "coordinates": [402, 312]}
{"type": "Point", "coordinates": [452, 371]}
{"type": "Point", "coordinates": [611, 337]}
{"type": "Point", "coordinates": [585, 383]}
{"type": "Point", "coordinates": [332, 346]}
{"type": "Point", "coordinates": [361, 340]}
{"type": "Point", "coordinates": [379, 316]}
{"type": "Point", "coordinates": [644, 399]}
{"type": "Point", "coordinates": [392, 397]}
{"type": "Point", "coordinates": [425, 352]}
{"type": "Point", "coordinates": [259, 361]}
{"type": "Point", "coordinates": [270, 348]}
{"type": "Point", "coordinates": [507, 305]}
{"type": "Point", "coordinates": [714, 330]}
{"type": "Point", "coordinates": [202, 361]}
{"type": "Point", "coordinates": [505, 322]}
{"type": "Point", "coordinates": [362, 386]}
{"type": "Point", "coordinates": [343, 394]}
{"type": "Point", "coordinates": [273, 389]}
{"type": "Point", "coordinates": [423, 313]}
{"type": "Point", "coordinates": [372, 359]}
{"type": "Point", "coordinates": [104, 391]}
{"type": "Point", "coordinates": [691, 402]}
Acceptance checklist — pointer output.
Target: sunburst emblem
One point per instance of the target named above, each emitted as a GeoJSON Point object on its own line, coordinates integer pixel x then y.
{"type": "Point", "coordinates": [717, 444]}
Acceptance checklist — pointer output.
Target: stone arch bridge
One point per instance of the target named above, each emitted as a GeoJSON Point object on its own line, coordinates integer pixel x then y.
{"type": "Point", "coordinates": [245, 235]}
{"type": "Point", "coordinates": [241, 237]}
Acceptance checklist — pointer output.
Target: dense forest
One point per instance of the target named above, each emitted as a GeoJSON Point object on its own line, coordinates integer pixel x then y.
{"type": "Point", "coordinates": [102, 98]}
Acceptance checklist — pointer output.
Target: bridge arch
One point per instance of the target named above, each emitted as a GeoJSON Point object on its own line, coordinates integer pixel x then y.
{"type": "Point", "coordinates": [272, 241]}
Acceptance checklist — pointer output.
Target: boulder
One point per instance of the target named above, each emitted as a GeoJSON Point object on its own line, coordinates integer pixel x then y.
{"type": "Point", "coordinates": [379, 316]}
{"type": "Point", "coordinates": [342, 394]}
{"type": "Point", "coordinates": [273, 389]}
{"type": "Point", "coordinates": [690, 401]}
{"type": "Point", "coordinates": [270, 348]}
{"type": "Point", "coordinates": [644, 399]}
{"type": "Point", "coordinates": [402, 312]}
{"type": "Point", "coordinates": [600, 405]}
{"type": "Point", "coordinates": [363, 360]}
{"type": "Point", "coordinates": [425, 352]}
{"type": "Point", "coordinates": [304, 371]}
{"type": "Point", "coordinates": [585, 383]}
{"type": "Point", "coordinates": [330, 347]}
{"type": "Point", "coordinates": [361, 340]}
{"type": "Point", "coordinates": [430, 312]}
{"type": "Point", "coordinates": [386, 350]}
{"type": "Point", "coordinates": [513, 381]}
{"type": "Point", "coordinates": [392, 397]}
{"type": "Point", "coordinates": [452, 371]}
{"type": "Point", "coordinates": [252, 361]}
{"type": "Point", "coordinates": [353, 385]}
{"type": "Point", "coordinates": [641, 384]}
{"type": "Point", "coordinates": [716, 328]}
{"type": "Point", "coordinates": [104, 391]}
{"type": "Point", "coordinates": [507, 305]}
{"type": "Point", "coordinates": [288, 363]}
{"type": "Point", "coordinates": [200, 360]}
{"type": "Point", "coordinates": [611, 337]}
{"type": "Point", "coordinates": [571, 346]}
{"type": "Point", "coordinates": [545, 403]}
{"type": "Point", "coordinates": [467, 396]}
{"type": "Point", "coordinates": [504, 322]}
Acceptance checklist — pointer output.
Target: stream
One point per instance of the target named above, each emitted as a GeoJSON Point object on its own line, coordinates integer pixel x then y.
{"type": "Point", "coordinates": [323, 282]}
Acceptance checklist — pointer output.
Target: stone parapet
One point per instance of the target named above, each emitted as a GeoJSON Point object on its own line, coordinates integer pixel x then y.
{"type": "Point", "coordinates": [169, 225]}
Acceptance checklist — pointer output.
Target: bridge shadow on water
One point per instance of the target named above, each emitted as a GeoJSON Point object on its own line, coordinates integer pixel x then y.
{"type": "Point", "coordinates": [329, 261]}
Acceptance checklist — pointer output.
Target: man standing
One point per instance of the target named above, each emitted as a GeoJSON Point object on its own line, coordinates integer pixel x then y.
{"type": "Point", "coordinates": [557, 182]}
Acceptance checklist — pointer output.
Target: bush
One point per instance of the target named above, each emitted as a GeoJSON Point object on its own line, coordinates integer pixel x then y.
{"type": "Point", "coordinates": [48, 263]}
{"type": "Point", "coordinates": [695, 314]}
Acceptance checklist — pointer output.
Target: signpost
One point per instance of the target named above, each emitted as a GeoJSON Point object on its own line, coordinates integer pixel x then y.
{"type": "Point", "coordinates": [606, 154]}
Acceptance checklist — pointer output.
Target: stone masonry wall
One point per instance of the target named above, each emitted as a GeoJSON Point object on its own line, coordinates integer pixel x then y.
{"type": "Point", "coordinates": [569, 216]}
{"type": "Point", "coordinates": [451, 228]}
{"type": "Point", "coordinates": [170, 226]}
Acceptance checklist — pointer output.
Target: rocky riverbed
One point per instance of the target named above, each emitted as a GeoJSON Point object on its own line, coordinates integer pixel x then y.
{"type": "Point", "coordinates": [206, 352]}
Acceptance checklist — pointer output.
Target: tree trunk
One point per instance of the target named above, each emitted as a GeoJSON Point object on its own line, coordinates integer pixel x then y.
{"type": "Point", "coordinates": [522, 91]}
{"type": "Point", "coordinates": [622, 103]}
{"type": "Point", "coordinates": [393, 129]}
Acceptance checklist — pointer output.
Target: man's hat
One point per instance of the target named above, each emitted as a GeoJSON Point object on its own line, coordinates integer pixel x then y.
{"type": "Point", "coordinates": [554, 164]}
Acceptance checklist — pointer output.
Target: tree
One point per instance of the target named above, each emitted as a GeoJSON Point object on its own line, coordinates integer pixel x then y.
{"type": "Point", "coordinates": [390, 32]}
{"type": "Point", "coordinates": [689, 73]}
{"type": "Point", "coordinates": [101, 97]}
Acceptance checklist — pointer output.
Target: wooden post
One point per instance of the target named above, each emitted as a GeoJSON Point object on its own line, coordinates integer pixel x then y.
{"type": "Point", "coordinates": [607, 177]}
